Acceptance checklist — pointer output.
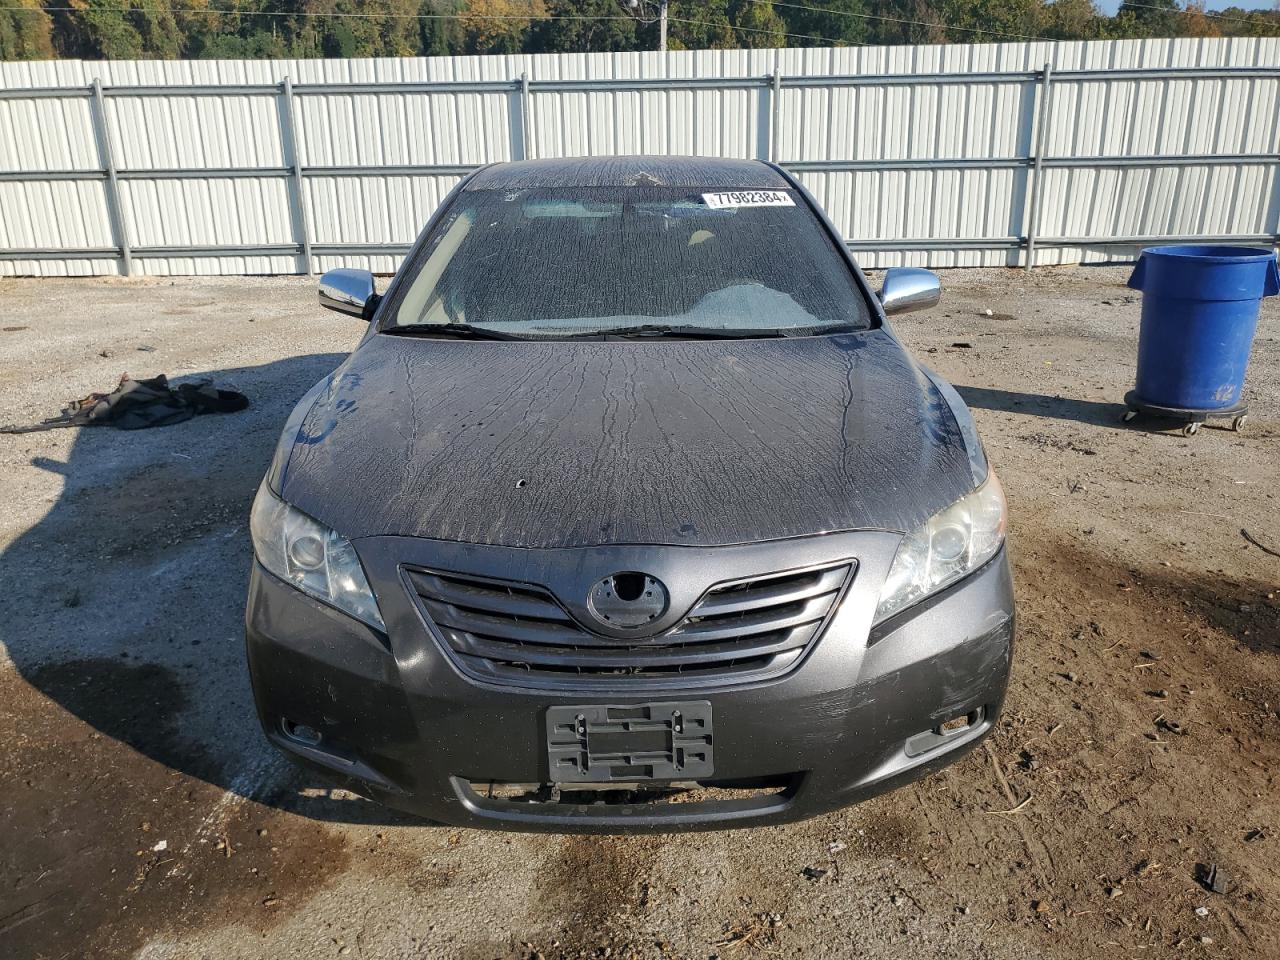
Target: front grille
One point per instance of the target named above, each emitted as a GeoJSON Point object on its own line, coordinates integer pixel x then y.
{"type": "Point", "coordinates": [518, 633]}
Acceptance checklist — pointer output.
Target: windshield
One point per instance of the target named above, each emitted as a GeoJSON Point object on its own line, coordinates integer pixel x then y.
{"type": "Point", "coordinates": [584, 261]}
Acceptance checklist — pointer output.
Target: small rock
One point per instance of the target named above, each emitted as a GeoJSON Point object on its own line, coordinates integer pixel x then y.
{"type": "Point", "coordinates": [1212, 877]}
{"type": "Point", "coordinates": [146, 348]}
{"type": "Point", "coordinates": [1206, 941]}
{"type": "Point", "coordinates": [835, 846]}
{"type": "Point", "coordinates": [964, 344]}
{"type": "Point", "coordinates": [1202, 911]}
{"type": "Point", "coordinates": [1153, 654]}
{"type": "Point", "coordinates": [1113, 892]}
{"type": "Point", "coordinates": [1069, 677]}
{"type": "Point", "coordinates": [964, 911]}
{"type": "Point", "coordinates": [1039, 906]}
{"type": "Point", "coordinates": [814, 874]}
{"type": "Point", "coordinates": [161, 846]}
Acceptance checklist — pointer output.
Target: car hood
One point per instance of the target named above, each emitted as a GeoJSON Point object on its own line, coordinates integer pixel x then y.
{"type": "Point", "coordinates": [583, 443]}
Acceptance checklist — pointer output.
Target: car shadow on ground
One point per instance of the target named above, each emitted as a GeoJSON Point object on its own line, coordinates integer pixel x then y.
{"type": "Point", "coordinates": [128, 601]}
{"type": "Point", "coordinates": [1041, 405]}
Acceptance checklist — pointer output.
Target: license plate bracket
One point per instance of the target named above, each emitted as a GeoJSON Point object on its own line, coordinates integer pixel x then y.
{"type": "Point", "coordinates": [603, 743]}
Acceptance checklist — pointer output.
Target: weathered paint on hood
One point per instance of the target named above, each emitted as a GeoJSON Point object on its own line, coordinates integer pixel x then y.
{"type": "Point", "coordinates": [583, 443]}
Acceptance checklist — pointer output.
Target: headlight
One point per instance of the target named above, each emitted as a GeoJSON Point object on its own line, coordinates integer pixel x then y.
{"type": "Point", "coordinates": [950, 544]}
{"type": "Point", "coordinates": [310, 556]}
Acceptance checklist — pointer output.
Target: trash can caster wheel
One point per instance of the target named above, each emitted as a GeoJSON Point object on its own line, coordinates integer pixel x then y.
{"type": "Point", "coordinates": [1129, 415]}
{"type": "Point", "coordinates": [1238, 423]}
{"type": "Point", "coordinates": [1191, 429]}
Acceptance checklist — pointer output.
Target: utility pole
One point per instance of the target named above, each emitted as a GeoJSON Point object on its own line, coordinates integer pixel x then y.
{"type": "Point", "coordinates": [642, 11]}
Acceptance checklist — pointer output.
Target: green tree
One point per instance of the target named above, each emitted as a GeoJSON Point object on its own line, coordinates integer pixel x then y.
{"type": "Point", "coordinates": [499, 26]}
{"type": "Point", "coordinates": [700, 25]}
{"type": "Point", "coordinates": [96, 30]}
{"type": "Point", "coordinates": [234, 29]}
{"type": "Point", "coordinates": [1238, 22]}
{"type": "Point", "coordinates": [1148, 18]}
{"type": "Point", "coordinates": [1071, 20]}
{"type": "Point", "coordinates": [986, 21]}
{"type": "Point", "coordinates": [439, 37]}
{"type": "Point", "coordinates": [615, 31]}
{"type": "Point", "coordinates": [757, 24]}
{"type": "Point", "coordinates": [260, 29]}
{"type": "Point", "coordinates": [845, 21]}
{"type": "Point", "coordinates": [912, 22]}
{"type": "Point", "coordinates": [26, 33]}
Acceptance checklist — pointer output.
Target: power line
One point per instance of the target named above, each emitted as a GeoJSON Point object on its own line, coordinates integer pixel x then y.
{"type": "Point", "coordinates": [598, 18]}
{"type": "Point", "coordinates": [917, 23]}
{"type": "Point", "coordinates": [775, 33]}
{"type": "Point", "coordinates": [1207, 13]}
{"type": "Point", "coordinates": [423, 16]}
{"type": "Point", "coordinates": [998, 33]}
{"type": "Point", "coordinates": [318, 15]}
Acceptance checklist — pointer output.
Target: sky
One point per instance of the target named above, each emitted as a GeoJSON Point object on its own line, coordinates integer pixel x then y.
{"type": "Point", "coordinates": [1110, 6]}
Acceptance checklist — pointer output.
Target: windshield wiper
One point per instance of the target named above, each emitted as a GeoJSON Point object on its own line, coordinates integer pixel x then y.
{"type": "Point", "coordinates": [713, 333]}
{"type": "Point", "coordinates": [467, 331]}
{"type": "Point", "coordinates": [678, 332]}
{"type": "Point", "coordinates": [462, 331]}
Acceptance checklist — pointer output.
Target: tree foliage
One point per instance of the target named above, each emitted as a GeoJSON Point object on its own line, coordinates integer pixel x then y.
{"type": "Point", "coordinates": [26, 33]}
{"type": "Point", "coordinates": [167, 29]}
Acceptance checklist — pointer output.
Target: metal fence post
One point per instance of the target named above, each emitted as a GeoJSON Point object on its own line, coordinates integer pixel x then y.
{"type": "Point", "coordinates": [775, 112]}
{"type": "Point", "coordinates": [289, 141]}
{"type": "Point", "coordinates": [106, 156]}
{"type": "Point", "coordinates": [525, 119]}
{"type": "Point", "coordinates": [1036, 172]}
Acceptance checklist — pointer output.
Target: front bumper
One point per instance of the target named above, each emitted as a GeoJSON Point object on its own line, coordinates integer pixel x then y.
{"type": "Point", "coordinates": [398, 721]}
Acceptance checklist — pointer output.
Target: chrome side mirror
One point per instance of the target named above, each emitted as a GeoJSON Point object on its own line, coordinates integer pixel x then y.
{"type": "Point", "coordinates": [349, 291]}
{"type": "Point", "coordinates": [907, 288]}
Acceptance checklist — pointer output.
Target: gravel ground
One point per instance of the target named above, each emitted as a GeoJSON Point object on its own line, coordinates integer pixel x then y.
{"type": "Point", "coordinates": [141, 813]}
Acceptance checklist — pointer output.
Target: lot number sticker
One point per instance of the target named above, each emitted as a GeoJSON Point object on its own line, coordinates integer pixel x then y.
{"type": "Point", "coordinates": [748, 198]}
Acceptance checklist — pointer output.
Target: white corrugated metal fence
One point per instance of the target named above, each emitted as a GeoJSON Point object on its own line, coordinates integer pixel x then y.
{"type": "Point", "coordinates": [999, 154]}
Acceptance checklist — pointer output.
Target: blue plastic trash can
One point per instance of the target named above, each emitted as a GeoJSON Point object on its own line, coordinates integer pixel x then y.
{"type": "Point", "coordinates": [1199, 315]}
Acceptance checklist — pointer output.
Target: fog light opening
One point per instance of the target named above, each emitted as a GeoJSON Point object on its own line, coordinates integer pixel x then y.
{"type": "Point", "coordinates": [301, 732]}
{"type": "Point", "coordinates": [958, 724]}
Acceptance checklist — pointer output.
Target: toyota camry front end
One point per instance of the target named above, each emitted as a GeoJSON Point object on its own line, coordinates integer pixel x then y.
{"type": "Point", "coordinates": [629, 512]}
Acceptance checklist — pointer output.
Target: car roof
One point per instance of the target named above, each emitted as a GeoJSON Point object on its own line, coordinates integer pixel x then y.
{"type": "Point", "coordinates": [635, 171]}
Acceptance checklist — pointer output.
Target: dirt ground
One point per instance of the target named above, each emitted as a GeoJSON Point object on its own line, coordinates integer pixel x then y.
{"type": "Point", "coordinates": [142, 814]}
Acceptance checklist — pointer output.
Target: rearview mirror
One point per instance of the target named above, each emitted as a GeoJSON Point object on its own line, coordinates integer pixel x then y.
{"type": "Point", "coordinates": [349, 291]}
{"type": "Point", "coordinates": [907, 288]}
